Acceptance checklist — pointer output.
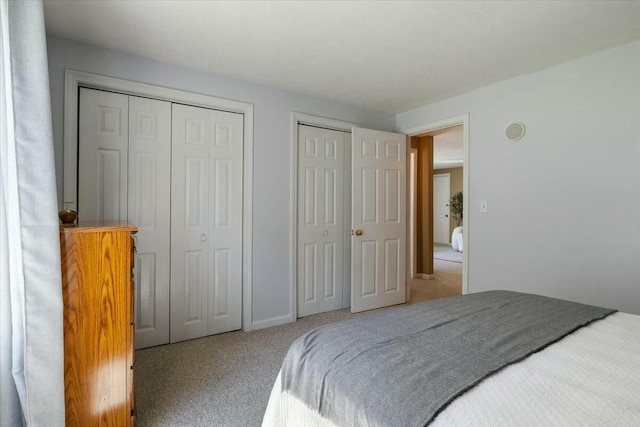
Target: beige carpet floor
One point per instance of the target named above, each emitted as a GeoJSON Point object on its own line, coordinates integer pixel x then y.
{"type": "Point", "coordinates": [225, 380]}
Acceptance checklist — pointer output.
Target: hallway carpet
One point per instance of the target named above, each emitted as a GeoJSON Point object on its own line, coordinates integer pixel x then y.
{"type": "Point", "coordinates": [446, 253]}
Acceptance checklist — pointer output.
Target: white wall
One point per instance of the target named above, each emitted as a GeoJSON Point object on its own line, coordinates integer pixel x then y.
{"type": "Point", "coordinates": [272, 148]}
{"type": "Point", "coordinates": [564, 202]}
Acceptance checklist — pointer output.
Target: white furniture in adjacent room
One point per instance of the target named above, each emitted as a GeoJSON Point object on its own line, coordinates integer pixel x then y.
{"type": "Point", "coordinates": [456, 239]}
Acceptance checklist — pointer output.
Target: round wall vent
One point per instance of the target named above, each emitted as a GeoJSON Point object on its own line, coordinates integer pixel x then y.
{"type": "Point", "coordinates": [515, 131]}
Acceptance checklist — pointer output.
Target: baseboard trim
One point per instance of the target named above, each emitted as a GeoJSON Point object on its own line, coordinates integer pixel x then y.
{"type": "Point", "coordinates": [425, 276]}
{"type": "Point", "coordinates": [274, 321]}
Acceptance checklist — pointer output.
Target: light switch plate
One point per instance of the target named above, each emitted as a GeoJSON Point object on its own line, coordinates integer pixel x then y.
{"type": "Point", "coordinates": [484, 206]}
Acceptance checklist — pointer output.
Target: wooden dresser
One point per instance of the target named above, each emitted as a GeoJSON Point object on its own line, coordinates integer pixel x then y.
{"type": "Point", "coordinates": [97, 291]}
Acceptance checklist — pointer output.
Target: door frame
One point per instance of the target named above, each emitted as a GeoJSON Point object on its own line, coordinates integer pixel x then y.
{"type": "Point", "coordinates": [76, 79]}
{"type": "Point", "coordinates": [463, 120]}
{"type": "Point", "coordinates": [305, 119]}
{"type": "Point", "coordinates": [448, 175]}
{"type": "Point", "coordinates": [412, 207]}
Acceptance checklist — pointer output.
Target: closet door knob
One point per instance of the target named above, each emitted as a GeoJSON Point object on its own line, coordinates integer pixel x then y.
{"type": "Point", "coordinates": [203, 237]}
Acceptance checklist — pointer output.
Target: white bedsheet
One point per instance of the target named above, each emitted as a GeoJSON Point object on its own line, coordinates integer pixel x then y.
{"type": "Point", "coordinates": [589, 378]}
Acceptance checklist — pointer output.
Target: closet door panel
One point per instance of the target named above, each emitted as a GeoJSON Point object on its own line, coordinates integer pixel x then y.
{"type": "Point", "coordinates": [192, 242]}
{"type": "Point", "coordinates": [103, 155]}
{"type": "Point", "coordinates": [189, 222]}
{"type": "Point", "coordinates": [206, 222]}
{"type": "Point", "coordinates": [320, 231]}
{"type": "Point", "coordinates": [149, 207]}
{"type": "Point", "coordinates": [225, 228]}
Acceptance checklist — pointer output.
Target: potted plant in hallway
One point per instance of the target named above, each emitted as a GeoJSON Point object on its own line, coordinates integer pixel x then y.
{"type": "Point", "coordinates": [456, 207]}
{"type": "Point", "coordinates": [455, 204]}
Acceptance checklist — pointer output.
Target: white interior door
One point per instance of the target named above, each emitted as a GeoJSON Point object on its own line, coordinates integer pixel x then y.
{"type": "Point", "coordinates": [206, 222]}
{"type": "Point", "coordinates": [321, 228]}
{"type": "Point", "coordinates": [441, 211]}
{"type": "Point", "coordinates": [102, 155]}
{"type": "Point", "coordinates": [149, 207]}
{"type": "Point", "coordinates": [379, 219]}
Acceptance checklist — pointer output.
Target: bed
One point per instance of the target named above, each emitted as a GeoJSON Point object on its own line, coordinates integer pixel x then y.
{"type": "Point", "coordinates": [486, 359]}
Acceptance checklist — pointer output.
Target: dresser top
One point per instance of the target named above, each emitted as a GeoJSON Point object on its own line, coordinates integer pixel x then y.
{"type": "Point", "coordinates": [98, 226]}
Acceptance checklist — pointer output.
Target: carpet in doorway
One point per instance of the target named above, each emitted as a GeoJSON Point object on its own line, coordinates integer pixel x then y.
{"type": "Point", "coordinates": [446, 253]}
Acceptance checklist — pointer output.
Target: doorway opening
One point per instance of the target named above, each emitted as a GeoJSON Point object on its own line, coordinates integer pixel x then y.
{"type": "Point", "coordinates": [438, 171]}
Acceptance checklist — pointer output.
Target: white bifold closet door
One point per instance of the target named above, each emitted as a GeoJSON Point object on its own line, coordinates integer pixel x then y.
{"type": "Point", "coordinates": [123, 174]}
{"type": "Point", "coordinates": [149, 209]}
{"type": "Point", "coordinates": [206, 222]}
{"type": "Point", "coordinates": [322, 229]}
{"type": "Point", "coordinates": [176, 173]}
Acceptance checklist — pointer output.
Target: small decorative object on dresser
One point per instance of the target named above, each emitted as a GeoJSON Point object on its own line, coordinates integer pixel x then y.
{"type": "Point", "coordinates": [97, 292]}
{"type": "Point", "coordinates": [67, 216]}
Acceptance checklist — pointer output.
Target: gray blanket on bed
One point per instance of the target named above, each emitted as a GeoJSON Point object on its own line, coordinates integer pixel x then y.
{"type": "Point", "coordinates": [401, 367]}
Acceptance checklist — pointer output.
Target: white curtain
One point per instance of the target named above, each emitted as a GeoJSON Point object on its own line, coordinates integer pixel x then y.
{"type": "Point", "coordinates": [31, 342]}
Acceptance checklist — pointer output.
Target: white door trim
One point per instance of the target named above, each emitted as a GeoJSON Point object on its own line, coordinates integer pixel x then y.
{"type": "Point", "coordinates": [75, 79]}
{"type": "Point", "coordinates": [413, 198]}
{"type": "Point", "coordinates": [442, 124]}
{"type": "Point", "coordinates": [303, 119]}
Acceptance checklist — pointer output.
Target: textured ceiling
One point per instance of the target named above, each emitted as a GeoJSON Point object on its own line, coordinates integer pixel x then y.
{"type": "Point", "coordinates": [385, 55]}
{"type": "Point", "coordinates": [448, 148]}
